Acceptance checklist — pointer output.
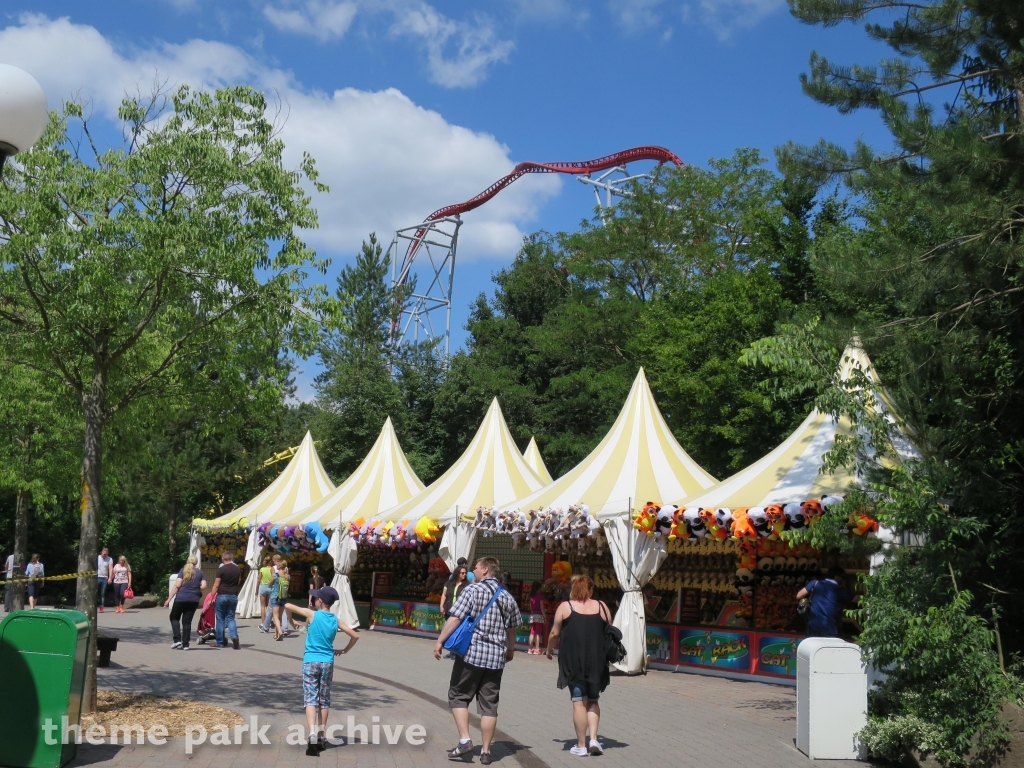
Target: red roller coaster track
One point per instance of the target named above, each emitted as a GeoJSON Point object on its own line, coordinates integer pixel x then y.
{"type": "Point", "coordinates": [576, 168]}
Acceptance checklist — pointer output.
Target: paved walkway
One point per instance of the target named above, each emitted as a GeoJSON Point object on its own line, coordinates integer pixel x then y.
{"type": "Point", "coordinates": [660, 718]}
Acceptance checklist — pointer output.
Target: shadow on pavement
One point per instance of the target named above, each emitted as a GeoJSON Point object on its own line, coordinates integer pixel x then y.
{"type": "Point", "coordinates": [90, 754]}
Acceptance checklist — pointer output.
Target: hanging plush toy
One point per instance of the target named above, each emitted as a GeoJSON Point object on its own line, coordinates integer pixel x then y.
{"type": "Point", "coordinates": [679, 528]}
{"type": "Point", "coordinates": [759, 520]}
{"type": "Point", "coordinates": [645, 520]}
{"type": "Point", "coordinates": [794, 516]}
{"type": "Point", "coordinates": [723, 521]}
{"type": "Point", "coordinates": [742, 528]}
{"type": "Point", "coordinates": [315, 534]}
{"type": "Point", "coordinates": [812, 511]}
{"type": "Point", "coordinates": [695, 525]}
{"type": "Point", "coordinates": [776, 520]}
{"type": "Point", "coordinates": [663, 522]}
{"type": "Point", "coordinates": [861, 524]}
{"type": "Point", "coordinates": [427, 530]}
{"type": "Point", "coordinates": [711, 530]}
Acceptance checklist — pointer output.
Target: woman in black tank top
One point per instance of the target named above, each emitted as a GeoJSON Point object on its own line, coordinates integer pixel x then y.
{"type": "Point", "coordinates": [582, 661]}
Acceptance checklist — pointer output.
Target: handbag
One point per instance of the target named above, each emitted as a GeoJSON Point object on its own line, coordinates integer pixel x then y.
{"type": "Point", "coordinates": [614, 650]}
{"type": "Point", "coordinates": [459, 640]}
{"type": "Point", "coordinates": [803, 605]}
{"type": "Point", "coordinates": [129, 593]}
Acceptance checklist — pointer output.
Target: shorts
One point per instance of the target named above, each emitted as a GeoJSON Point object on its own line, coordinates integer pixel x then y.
{"type": "Point", "coordinates": [581, 691]}
{"type": "Point", "coordinates": [265, 590]}
{"type": "Point", "coordinates": [33, 588]}
{"type": "Point", "coordinates": [316, 683]}
{"type": "Point", "coordinates": [469, 682]}
{"type": "Point", "coordinates": [277, 602]}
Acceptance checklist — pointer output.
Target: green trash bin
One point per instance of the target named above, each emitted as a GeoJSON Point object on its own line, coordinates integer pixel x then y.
{"type": "Point", "coordinates": [42, 666]}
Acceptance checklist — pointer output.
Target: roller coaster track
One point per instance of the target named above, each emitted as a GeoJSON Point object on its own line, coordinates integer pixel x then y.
{"type": "Point", "coordinates": [440, 231]}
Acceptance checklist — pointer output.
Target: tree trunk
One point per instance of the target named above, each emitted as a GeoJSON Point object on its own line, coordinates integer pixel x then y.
{"type": "Point", "coordinates": [88, 551]}
{"type": "Point", "coordinates": [172, 527]}
{"type": "Point", "coordinates": [20, 548]}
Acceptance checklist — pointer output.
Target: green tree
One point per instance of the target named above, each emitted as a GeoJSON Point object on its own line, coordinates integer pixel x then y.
{"type": "Point", "coordinates": [166, 266]}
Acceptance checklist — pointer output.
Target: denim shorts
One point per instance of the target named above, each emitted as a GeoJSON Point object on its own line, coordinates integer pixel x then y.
{"type": "Point", "coordinates": [277, 602]}
{"type": "Point", "coordinates": [265, 590]}
{"type": "Point", "coordinates": [581, 691]}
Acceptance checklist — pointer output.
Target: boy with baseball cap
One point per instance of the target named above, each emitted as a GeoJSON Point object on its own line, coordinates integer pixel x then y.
{"type": "Point", "coordinates": [318, 661]}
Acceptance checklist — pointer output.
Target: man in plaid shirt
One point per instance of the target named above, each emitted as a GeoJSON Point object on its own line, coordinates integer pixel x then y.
{"type": "Point", "coordinates": [478, 674]}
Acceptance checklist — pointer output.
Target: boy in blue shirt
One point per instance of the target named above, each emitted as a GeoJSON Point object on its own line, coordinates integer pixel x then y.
{"type": "Point", "coordinates": [827, 597]}
{"type": "Point", "coordinates": [318, 661]}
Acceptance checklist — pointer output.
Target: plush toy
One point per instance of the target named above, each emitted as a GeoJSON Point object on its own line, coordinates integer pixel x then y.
{"type": "Point", "coordinates": [711, 530]}
{"type": "Point", "coordinates": [748, 556]}
{"type": "Point", "coordinates": [742, 528]}
{"type": "Point", "coordinates": [695, 526]}
{"type": "Point", "coordinates": [723, 524]}
{"type": "Point", "coordinates": [427, 530]}
{"type": "Point", "coordinates": [759, 520]}
{"type": "Point", "coordinates": [663, 521]}
{"type": "Point", "coordinates": [861, 524]}
{"type": "Point", "coordinates": [316, 534]}
{"type": "Point", "coordinates": [561, 570]}
{"type": "Point", "coordinates": [679, 529]}
{"type": "Point", "coordinates": [812, 510]}
{"type": "Point", "coordinates": [645, 520]}
{"type": "Point", "coordinates": [776, 520]}
{"type": "Point", "coordinates": [794, 516]}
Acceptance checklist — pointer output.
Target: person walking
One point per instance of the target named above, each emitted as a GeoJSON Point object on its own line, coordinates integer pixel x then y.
{"type": "Point", "coordinates": [104, 575]}
{"type": "Point", "coordinates": [826, 597]}
{"type": "Point", "coordinates": [478, 673]}
{"type": "Point", "coordinates": [279, 599]}
{"type": "Point", "coordinates": [318, 661]}
{"type": "Point", "coordinates": [538, 620]}
{"type": "Point", "coordinates": [316, 581]}
{"type": "Point", "coordinates": [122, 582]}
{"type": "Point", "coordinates": [266, 580]}
{"type": "Point", "coordinates": [11, 571]}
{"type": "Point", "coordinates": [186, 593]}
{"type": "Point", "coordinates": [582, 659]}
{"type": "Point", "coordinates": [450, 592]}
{"type": "Point", "coordinates": [34, 571]}
{"type": "Point", "coordinates": [225, 587]}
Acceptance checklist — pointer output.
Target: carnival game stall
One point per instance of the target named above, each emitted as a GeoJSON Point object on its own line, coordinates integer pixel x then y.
{"type": "Point", "coordinates": [490, 472]}
{"type": "Point", "coordinates": [302, 482]}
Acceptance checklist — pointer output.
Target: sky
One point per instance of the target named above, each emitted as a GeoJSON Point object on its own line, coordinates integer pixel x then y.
{"type": "Point", "coordinates": [408, 106]}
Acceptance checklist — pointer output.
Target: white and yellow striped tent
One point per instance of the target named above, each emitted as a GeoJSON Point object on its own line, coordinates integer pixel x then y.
{"type": "Point", "coordinates": [536, 462]}
{"type": "Point", "coordinates": [490, 472]}
{"type": "Point", "coordinates": [793, 471]}
{"type": "Point", "coordinates": [639, 460]}
{"type": "Point", "coordinates": [303, 482]}
{"type": "Point", "coordinates": [383, 479]}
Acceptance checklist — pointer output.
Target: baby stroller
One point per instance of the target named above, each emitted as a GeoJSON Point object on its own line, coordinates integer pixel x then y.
{"type": "Point", "coordinates": [207, 620]}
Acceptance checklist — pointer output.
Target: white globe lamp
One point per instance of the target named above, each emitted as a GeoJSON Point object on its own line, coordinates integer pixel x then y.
{"type": "Point", "coordinates": [23, 111]}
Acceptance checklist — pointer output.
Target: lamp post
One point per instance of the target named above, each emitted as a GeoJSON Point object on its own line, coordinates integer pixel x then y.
{"type": "Point", "coordinates": [23, 112]}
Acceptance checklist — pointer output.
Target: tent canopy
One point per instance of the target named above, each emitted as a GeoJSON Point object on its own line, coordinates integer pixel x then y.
{"type": "Point", "coordinates": [536, 462]}
{"type": "Point", "coordinates": [491, 472]}
{"type": "Point", "coordinates": [638, 459]}
{"type": "Point", "coordinates": [303, 482]}
{"type": "Point", "coordinates": [383, 479]}
{"type": "Point", "coordinates": [793, 471]}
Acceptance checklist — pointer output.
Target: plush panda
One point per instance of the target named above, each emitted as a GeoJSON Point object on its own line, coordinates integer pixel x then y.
{"type": "Point", "coordinates": [759, 521]}
{"type": "Point", "coordinates": [694, 523]}
{"type": "Point", "coordinates": [794, 516]}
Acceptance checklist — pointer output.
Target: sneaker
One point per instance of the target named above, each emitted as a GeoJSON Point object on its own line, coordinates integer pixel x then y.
{"type": "Point", "coordinates": [263, 629]}
{"type": "Point", "coordinates": [596, 748]}
{"type": "Point", "coordinates": [311, 747]}
{"type": "Point", "coordinates": [184, 647]}
{"type": "Point", "coordinates": [578, 751]}
{"type": "Point", "coordinates": [321, 743]}
{"type": "Point", "coordinates": [176, 644]}
{"type": "Point", "coordinates": [485, 758]}
{"type": "Point", "coordinates": [101, 609]}
{"type": "Point", "coordinates": [461, 750]}
{"type": "Point", "coordinates": [234, 643]}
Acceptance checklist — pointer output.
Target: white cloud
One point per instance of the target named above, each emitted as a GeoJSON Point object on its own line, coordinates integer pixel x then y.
{"type": "Point", "coordinates": [636, 15]}
{"type": "Point", "coordinates": [388, 161]}
{"type": "Point", "coordinates": [724, 17]}
{"type": "Point", "coordinates": [474, 45]}
{"type": "Point", "coordinates": [322, 20]}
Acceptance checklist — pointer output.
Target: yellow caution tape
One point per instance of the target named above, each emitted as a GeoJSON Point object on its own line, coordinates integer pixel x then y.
{"type": "Point", "coordinates": [61, 578]}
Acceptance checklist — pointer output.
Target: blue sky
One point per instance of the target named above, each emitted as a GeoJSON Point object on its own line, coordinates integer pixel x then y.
{"type": "Point", "coordinates": [408, 106]}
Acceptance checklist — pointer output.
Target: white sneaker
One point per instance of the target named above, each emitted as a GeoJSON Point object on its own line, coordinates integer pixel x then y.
{"type": "Point", "coordinates": [175, 645]}
{"type": "Point", "coordinates": [596, 747]}
{"type": "Point", "coordinates": [578, 751]}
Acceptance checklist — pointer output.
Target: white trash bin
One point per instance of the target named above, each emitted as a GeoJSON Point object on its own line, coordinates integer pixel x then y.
{"type": "Point", "coordinates": [831, 698]}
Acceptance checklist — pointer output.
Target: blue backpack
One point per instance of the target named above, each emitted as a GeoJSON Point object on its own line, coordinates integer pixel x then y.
{"type": "Point", "coordinates": [458, 641]}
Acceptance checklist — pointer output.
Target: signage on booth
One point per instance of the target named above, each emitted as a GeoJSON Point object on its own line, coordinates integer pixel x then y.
{"type": "Point", "coordinates": [389, 613]}
{"type": "Point", "coordinates": [659, 643]}
{"type": "Point", "coordinates": [776, 655]}
{"type": "Point", "coordinates": [425, 617]}
{"type": "Point", "coordinates": [709, 648]}
{"type": "Point", "coordinates": [381, 584]}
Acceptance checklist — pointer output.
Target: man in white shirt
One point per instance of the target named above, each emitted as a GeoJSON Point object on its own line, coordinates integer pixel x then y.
{"type": "Point", "coordinates": [104, 573]}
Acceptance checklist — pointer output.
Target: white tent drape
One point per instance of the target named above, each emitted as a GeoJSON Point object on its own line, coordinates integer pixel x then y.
{"type": "Point", "coordinates": [636, 560]}
{"type": "Point", "coordinates": [343, 550]}
{"type": "Point", "coordinates": [248, 597]}
{"type": "Point", "coordinates": [195, 548]}
{"type": "Point", "coordinates": [459, 540]}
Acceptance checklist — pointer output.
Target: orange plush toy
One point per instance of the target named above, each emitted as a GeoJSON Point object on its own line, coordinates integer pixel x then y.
{"type": "Point", "coordinates": [646, 518]}
{"type": "Point", "coordinates": [776, 520]}
{"type": "Point", "coordinates": [679, 528]}
{"type": "Point", "coordinates": [742, 528]}
{"type": "Point", "coordinates": [861, 524]}
{"type": "Point", "coordinates": [707, 515]}
{"type": "Point", "coordinates": [812, 510]}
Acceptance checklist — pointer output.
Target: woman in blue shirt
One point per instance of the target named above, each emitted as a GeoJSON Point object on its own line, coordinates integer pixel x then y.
{"type": "Point", "coordinates": [318, 661]}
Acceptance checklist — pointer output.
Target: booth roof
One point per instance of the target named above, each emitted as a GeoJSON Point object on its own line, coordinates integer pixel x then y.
{"type": "Point", "coordinates": [383, 479]}
{"type": "Point", "coordinates": [639, 460]}
{"type": "Point", "coordinates": [490, 472]}
{"type": "Point", "coordinates": [793, 472]}
{"type": "Point", "coordinates": [302, 483]}
{"type": "Point", "coordinates": [536, 462]}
